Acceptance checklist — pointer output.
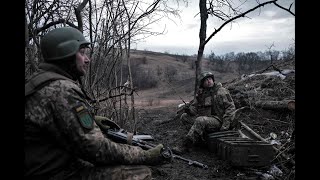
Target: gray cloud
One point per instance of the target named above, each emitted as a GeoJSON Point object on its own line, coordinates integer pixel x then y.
{"type": "Point", "coordinates": [192, 26]}
{"type": "Point", "coordinates": [220, 48]}
{"type": "Point", "coordinates": [270, 11]}
{"type": "Point", "coordinates": [272, 25]}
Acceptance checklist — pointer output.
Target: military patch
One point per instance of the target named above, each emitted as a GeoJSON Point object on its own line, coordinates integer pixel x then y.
{"type": "Point", "coordinates": [84, 117]}
{"type": "Point", "coordinates": [229, 97]}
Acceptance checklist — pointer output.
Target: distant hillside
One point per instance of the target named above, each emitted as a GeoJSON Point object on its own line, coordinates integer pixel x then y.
{"type": "Point", "coordinates": [185, 65]}
{"type": "Point", "coordinates": [165, 79]}
{"type": "Point", "coordinates": [174, 76]}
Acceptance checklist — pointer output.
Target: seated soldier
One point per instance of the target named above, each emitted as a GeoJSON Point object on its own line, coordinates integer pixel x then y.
{"type": "Point", "coordinates": [212, 110]}
{"type": "Point", "coordinates": [61, 138]}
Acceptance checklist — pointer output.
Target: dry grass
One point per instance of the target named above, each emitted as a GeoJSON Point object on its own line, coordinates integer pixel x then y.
{"type": "Point", "coordinates": [169, 93]}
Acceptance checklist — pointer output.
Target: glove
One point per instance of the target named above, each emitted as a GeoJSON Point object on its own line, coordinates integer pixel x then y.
{"type": "Point", "coordinates": [155, 152]}
{"type": "Point", "coordinates": [186, 108]}
{"type": "Point", "coordinates": [99, 120]}
{"type": "Point", "coordinates": [154, 155]}
{"type": "Point", "coordinates": [191, 110]}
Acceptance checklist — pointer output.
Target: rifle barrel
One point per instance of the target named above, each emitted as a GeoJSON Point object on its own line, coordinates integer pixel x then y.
{"type": "Point", "coordinates": [190, 162]}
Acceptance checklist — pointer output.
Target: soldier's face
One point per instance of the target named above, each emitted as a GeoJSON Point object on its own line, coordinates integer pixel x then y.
{"type": "Point", "coordinates": [82, 60]}
{"type": "Point", "coordinates": [208, 82]}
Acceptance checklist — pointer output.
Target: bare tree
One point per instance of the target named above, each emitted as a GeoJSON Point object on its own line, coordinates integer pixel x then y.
{"type": "Point", "coordinates": [119, 22]}
{"type": "Point", "coordinates": [289, 54]}
{"type": "Point", "coordinates": [41, 16]}
{"type": "Point", "coordinates": [227, 11]}
{"type": "Point", "coordinates": [269, 52]}
{"type": "Point", "coordinates": [112, 26]}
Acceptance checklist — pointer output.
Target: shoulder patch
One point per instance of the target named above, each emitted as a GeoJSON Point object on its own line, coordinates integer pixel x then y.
{"type": "Point", "coordinates": [84, 117]}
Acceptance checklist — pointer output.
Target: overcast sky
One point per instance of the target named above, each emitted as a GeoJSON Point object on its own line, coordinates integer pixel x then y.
{"type": "Point", "coordinates": [265, 27]}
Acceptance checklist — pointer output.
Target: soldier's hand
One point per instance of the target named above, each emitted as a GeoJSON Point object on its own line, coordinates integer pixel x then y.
{"type": "Point", "coordinates": [186, 106]}
{"type": "Point", "coordinates": [99, 120]}
{"type": "Point", "coordinates": [155, 156]}
{"type": "Point", "coordinates": [192, 110]}
{"type": "Point", "coordinates": [155, 152]}
{"type": "Point", "coordinates": [186, 109]}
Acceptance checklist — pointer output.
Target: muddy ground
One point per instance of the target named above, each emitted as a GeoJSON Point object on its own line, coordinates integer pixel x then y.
{"type": "Point", "coordinates": [275, 123]}
{"type": "Point", "coordinates": [166, 129]}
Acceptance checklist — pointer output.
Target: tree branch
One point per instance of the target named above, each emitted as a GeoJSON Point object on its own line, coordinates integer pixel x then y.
{"type": "Point", "coordinates": [131, 90]}
{"type": "Point", "coordinates": [236, 17]}
{"type": "Point", "coordinates": [285, 8]}
{"type": "Point", "coordinates": [38, 30]}
{"type": "Point", "coordinates": [78, 14]}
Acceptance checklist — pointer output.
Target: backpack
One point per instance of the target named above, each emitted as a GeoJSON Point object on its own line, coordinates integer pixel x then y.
{"type": "Point", "coordinates": [40, 80]}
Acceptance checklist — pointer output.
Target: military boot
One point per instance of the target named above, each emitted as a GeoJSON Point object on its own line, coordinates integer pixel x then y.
{"type": "Point", "coordinates": [183, 147]}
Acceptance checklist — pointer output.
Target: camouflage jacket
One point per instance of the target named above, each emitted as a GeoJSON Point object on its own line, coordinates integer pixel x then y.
{"type": "Point", "coordinates": [59, 128]}
{"type": "Point", "coordinates": [215, 101]}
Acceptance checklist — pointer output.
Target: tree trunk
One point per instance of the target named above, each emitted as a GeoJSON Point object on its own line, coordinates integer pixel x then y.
{"type": "Point", "coordinates": [78, 14]}
{"type": "Point", "coordinates": [276, 105]}
{"type": "Point", "coordinates": [202, 37]}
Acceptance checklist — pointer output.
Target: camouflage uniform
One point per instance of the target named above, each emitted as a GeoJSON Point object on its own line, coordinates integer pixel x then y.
{"type": "Point", "coordinates": [62, 141]}
{"type": "Point", "coordinates": [212, 110]}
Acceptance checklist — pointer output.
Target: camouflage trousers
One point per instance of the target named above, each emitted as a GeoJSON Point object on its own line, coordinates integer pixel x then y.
{"type": "Point", "coordinates": [200, 126]}
{"type": "Point", "coordinates": [118, 172]}
{"type": "Point", "coordinates": [187, 120]}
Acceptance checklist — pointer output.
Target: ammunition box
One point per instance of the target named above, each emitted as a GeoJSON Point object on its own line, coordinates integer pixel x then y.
{"type": "Point", "coordinates": [212, 138]}
{"type": "Point", "coordinates": [246, 153]}
{"type": "Point", "coordinates": [222, 147]}
{"type": "Point", "coordinates": [238, 151]}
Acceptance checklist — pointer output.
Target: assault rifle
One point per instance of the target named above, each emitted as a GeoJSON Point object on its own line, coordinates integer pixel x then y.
{"type": "Point", "coordinates": [121, 136]}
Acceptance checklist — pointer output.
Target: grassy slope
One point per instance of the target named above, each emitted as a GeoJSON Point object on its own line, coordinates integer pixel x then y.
{"type": "Point", "coordinates": [167, 93]}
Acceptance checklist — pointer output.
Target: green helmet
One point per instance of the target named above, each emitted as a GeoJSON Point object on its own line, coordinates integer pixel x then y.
{"type": "Point", "coordinates": [61, 43]}
{"type": "Point", "coordinates": [204, 75]}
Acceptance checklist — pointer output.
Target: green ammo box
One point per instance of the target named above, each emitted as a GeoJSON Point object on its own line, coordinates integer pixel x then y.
{"type": "Point", "coordinates": [222, 146]}
{"type": "Point", "coordinates": [212, 138]}
{"type": "Point", "coordinates": [246, 152]}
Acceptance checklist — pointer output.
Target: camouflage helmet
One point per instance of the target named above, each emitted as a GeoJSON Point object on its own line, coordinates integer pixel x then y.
{"type": "Point", "coordinates": [61, 43]}
{"type": "Point", "coordinates": [205, 75]}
